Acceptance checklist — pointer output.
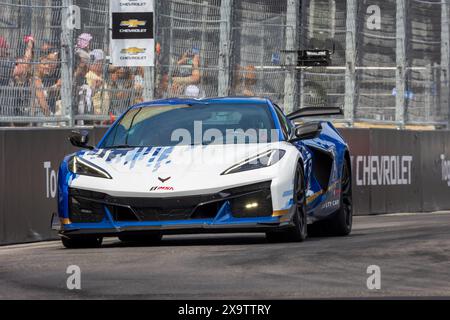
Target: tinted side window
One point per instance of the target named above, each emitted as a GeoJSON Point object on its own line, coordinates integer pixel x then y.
{"type": "Point", "coordinates": [284, 123]}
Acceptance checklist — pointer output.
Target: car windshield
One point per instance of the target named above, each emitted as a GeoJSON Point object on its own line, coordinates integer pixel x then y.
{"type": "Point", "coordinates": [196, 124]}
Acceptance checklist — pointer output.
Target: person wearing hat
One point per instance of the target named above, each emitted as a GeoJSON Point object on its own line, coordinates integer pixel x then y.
{"type": "Point", "coordinates": [82, 60]}
{"type": "Point", "coordinates": [82, 55]}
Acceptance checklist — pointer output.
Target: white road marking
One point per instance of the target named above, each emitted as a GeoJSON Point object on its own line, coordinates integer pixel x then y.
{"type": "Point", "coordinates": [408, 214]}
{"type": "Point", "coordinates": [40, 245]}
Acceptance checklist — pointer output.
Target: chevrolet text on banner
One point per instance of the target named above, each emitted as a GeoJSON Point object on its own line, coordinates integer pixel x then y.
{"type": "Point", "coordinates": [132, 43]}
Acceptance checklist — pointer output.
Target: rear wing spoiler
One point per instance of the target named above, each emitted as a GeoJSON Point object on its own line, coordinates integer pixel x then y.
{"type": "Point", "coordinates": [315, 112]}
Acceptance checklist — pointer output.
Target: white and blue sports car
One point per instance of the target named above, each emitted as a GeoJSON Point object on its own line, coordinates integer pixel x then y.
{"type": "Point", "coordinates": [214, 165]}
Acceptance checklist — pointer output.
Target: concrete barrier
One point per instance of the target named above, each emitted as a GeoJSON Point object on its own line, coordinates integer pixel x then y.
{"type": "Point", "coordinates": [400, 171]}
{"type": "Point", "coordinates": [393, 171]}
{"type": "Point", "coordinates": [29, 161]}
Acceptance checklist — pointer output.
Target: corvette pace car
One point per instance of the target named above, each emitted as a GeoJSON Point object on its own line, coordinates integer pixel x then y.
{"type": "Point", "coordinates": [214, 165]}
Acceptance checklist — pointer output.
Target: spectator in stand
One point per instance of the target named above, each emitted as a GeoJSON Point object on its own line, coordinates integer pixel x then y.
{"type": "Point", "coordinates": [95, 81]}
{"type": "Point", "coordinates": [23, 68]}
{"type": "Point", "coordinates": [43, 70]}
{"type": "Point", "coordinates": [126, 87]}
{"type": "Point", "coordinates": [82, 92]}
{"type": "Point", "coordinates": [46, 85]}
{"type": "Point", "coordinates": [121, 89]}
{"type": "Point", "coordinates": [6, 71]}
{"type": "Point", "coordinates": [246, 81]}
{"type": "Point", "coordinates": [82, 55]}
{"type": "Point", "coordinates": [138, 82]}
{"type": "Point", "coordinates": [185, 76]}
{"type": "Point", "coordinates": [25, 77]}
{"type": "Point", "coordinates": [51, 76]}
{"type": "Point", "coordinates": [6, 64]}
{"type": "Point", "coordinates": [186, 73]}
{"type": "Point", "coordinates": [22, 80]}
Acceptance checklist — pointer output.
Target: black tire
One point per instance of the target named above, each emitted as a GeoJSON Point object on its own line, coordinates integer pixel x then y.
{"type": "Point", "coordinates": [299, 232]}
{"type": "Point", "coordinates": [153, 238]}
{"type": "Point", "coordinates": [82, 243]}
{"type": "Point", "coordinates": [341, 222]}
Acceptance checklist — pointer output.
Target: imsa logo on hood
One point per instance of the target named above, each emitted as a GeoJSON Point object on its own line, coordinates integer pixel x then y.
{"type": "Point", "coordinates": [162, 189]}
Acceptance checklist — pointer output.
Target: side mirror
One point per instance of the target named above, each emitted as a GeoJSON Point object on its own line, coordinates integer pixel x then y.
{"type": "Point", "coordinates": [80, 139]}
{"type": "Point", "coordinates": [307, 131]}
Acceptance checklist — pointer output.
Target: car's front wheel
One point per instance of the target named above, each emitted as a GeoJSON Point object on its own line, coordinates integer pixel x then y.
{"type": "Point", "coordinates": [299, 231]}
{"type": "Point", "coordinates": [81, 243]}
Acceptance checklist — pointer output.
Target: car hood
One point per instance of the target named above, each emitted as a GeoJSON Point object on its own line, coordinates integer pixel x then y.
{"type": "Point", "coordinates": [173, 170]}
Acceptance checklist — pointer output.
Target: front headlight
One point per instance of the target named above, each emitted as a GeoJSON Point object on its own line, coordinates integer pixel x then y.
{"type": "Point", "coordinates": [83, 167]}
{"type": "Point", "coordinates": [260, 161]}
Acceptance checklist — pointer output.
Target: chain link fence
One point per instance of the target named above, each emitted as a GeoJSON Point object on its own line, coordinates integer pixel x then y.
{"type": "Point", "coordinates": [390, 58]}
{"type": "Point", "coordinates": [30, 61]}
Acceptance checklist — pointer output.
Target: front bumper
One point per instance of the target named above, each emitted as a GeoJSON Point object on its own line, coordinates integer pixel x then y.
{"type": "Point", "coordinates": [244, 209]}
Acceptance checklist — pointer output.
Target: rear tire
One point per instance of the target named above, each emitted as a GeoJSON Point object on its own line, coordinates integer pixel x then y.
{"type": "Point", "coordinates": [142, 238]}
{"type": "Point", "coordinates": [299, 232]}
{"type": "Point", "coordinates": [82, 243]}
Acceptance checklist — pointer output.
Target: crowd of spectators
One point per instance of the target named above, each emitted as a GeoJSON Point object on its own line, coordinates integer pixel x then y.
{"type": "Point", "coordinates": [30, 84]}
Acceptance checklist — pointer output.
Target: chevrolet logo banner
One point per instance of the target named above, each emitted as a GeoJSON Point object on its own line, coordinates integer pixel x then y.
{"type": "Point", "coordinates": [133, 51]}
{"type": "Point", "coordinates": [132, 43]}
{"type": "Point", "coordinates": [133, 23]}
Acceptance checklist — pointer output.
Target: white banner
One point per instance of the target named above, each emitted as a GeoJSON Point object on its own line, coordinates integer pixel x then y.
{"type": "Point", "coordinates": [133, 53]}
{"type": "Point", "coordinates": [132, 5]}
{"type": "Point", "coordinates": [132, 37]}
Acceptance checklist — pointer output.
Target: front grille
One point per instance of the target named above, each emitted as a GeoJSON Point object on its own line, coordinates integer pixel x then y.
{"type": "Point", "coordinates": [160, 214]}
{"type": "Point", "coordinates": [171, 209]}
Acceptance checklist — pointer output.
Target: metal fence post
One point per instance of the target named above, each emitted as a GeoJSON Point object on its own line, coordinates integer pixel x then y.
{"type": "Point", "coordinates": [350, 62]}
{"type": "Point", "coordinates": [302, 45]}
{"type": "Point", "coordinates": [149, 72]}
{"type": "Point", "coordinates": [171, 48]}
{"type": "Point", "coordinates": [312, 15]}
{"type": "Point", "coordinates": [401, 63]}
{"type": "Point", "coordinates": [445, 59]}
{"type": "Point", "coordinates": [292, 14]}
{"type": "Point", "coordinates": [66, 63]}
{"type": "Point", "coordinates": [203, 41]}
{"type": "Point", "coordinates": [225, 47]}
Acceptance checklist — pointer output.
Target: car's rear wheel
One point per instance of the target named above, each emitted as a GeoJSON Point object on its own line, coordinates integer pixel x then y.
{"type": "Point", "coordinates": [299, 231]}
{"type": "Point", "coordinates": [81, 243]}
{"type": "Point", "coordinates": [153, 238]}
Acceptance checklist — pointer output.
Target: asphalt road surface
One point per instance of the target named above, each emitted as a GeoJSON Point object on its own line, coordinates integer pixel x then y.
{"type": "Point", "coordinates": [412, 251]}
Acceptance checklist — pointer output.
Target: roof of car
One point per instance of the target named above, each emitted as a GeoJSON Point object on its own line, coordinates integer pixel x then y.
{"type": "Point", "coordinates": [224, 100]}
